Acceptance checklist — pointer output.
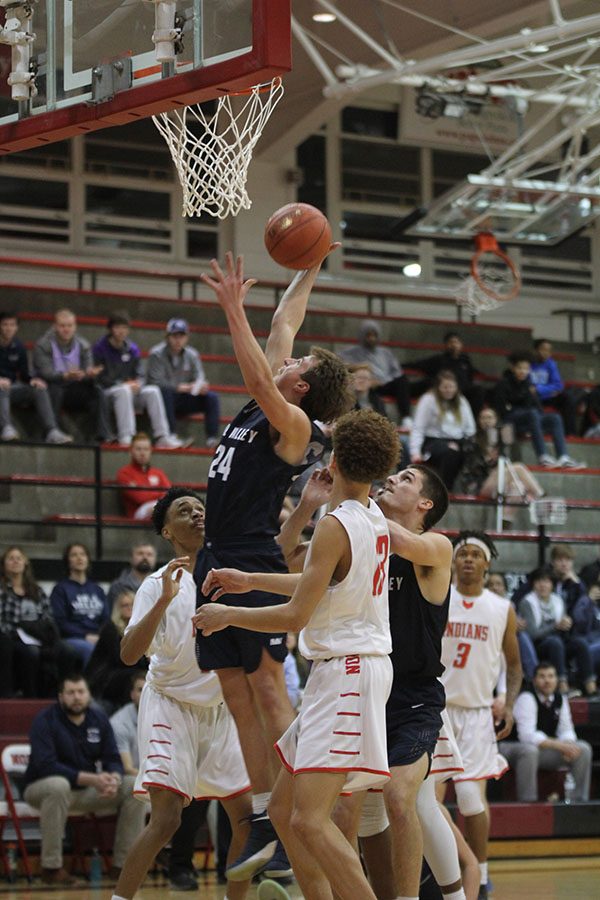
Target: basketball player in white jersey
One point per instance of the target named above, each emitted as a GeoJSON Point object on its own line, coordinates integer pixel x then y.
{"type": "Point", "coordinates": [340, 602]}
{"type": "Point", "coordinates": [481, 627]}
{"type": "Point", "coordinates": [187, 738]}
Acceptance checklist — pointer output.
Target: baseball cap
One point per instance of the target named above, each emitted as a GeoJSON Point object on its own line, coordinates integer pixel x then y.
{"type": "Point", "coordinates": [177, 326]}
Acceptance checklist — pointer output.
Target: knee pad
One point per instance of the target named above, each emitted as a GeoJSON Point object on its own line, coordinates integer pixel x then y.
{"type": "Point", "coordinates": [468, 797]}
{"type": "Point", "coordinates": [373, 819]}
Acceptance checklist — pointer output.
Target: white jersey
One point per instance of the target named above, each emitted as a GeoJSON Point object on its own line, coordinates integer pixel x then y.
{"type": "Point", "coordinates": [472, 648]}
{"type": "Point", "coordinates": [173, 668]}
{"type": "Point", "coordinates": [353, 616]}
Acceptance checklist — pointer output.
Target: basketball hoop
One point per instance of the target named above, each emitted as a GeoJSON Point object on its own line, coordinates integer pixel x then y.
{"type": "Point", "coordinates": [494, 278]}
{"type": "Point", "coordinates": [212, 164]}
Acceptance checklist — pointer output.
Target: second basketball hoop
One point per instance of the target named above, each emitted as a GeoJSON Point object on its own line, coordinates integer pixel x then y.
{"type": "Point", "coordinates": [494, 279]}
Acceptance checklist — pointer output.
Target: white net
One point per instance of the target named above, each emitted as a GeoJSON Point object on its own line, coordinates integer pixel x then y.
{"type": "Point", "coordinates": [212, 152]}
{"type": "Point", "coordinates": [494, 287]}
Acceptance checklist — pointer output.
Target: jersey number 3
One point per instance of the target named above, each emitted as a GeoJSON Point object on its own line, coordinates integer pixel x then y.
{"type": "Point", "coordinates": [382, 549]}
{"type": "Point", "coordinates": [462, 655]}
{"type": "Point", "coordinates": [221, 464]}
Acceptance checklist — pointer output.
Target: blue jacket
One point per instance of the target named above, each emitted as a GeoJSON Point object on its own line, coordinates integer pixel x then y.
{"type": "Point", "coordinates": [79, 609]}
{"type": "Point", "coordinates": [59, 747]}
{"type": "Point", "coordinates": [547, 380]}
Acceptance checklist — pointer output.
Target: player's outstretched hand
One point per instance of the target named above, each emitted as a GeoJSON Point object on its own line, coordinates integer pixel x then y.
{"type": "Point", "coordinates": [229, 285]}
{"type": "Point", "coordinates": [317, 489]}
{"type": "Point", "coordinates": [171, 577]}
{"type": "Point", "coordinates": [225, 581]}
{"type": "Point", "coordinates": [210, 618]}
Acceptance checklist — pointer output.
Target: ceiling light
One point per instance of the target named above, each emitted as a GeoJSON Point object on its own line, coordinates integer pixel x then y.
{"type": "Point", "coordinates": [538, 48]}
{"type": "Point", "coordinates": [324, 17]}
{"type": "Point", "coordinates": [412, 270]}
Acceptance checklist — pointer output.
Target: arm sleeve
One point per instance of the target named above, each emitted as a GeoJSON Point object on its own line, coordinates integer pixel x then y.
{"type": "Point", "coordinates": [565, 730]}
{"type": "Point", "coordinates": [199, 373]}
{"type": "Point", "coordinates": [468, 421]}
{"type": "Point", "coordinates": [44, 760]}
{"type": "Point", "coordinates": [43, 365]}
{"type": "Point", "coordinates": [111, 758]}
{"type": "Point", "coordinates": [525, 714]}
{"type": "Point", "coordinates": [417, 434]}
{"type": "Point", "coordinates": [394, 369]}
{"type": "Point", "coordinates": [23, 365]}
{"type": "Point", "coordinates": [155, 373]}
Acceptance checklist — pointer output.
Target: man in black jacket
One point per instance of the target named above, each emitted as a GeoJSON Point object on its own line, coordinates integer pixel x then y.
{"type": "Point", "coordinates": [515, 399]}
{"type": "Point", "coordinates": [453, 359]}
{"type": "Point", "coordinates": [18, 388]}
{"type": "Point", "coordinates": [75, 767]}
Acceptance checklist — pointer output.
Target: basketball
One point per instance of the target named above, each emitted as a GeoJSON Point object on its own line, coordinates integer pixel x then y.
{"type": "Point", "coordinates": [297, 236]}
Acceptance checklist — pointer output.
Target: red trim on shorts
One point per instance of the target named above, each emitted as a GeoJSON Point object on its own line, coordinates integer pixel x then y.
{"type": "Point", "coordinates": [346, 752]}
{"type": "Point", "coordinates": [157, 756]}
{"type": "Point", "coordinates": [227, 797]}
{"type": "Point", "coordinates": [347, 714]}
{"type": "Point", "coordinates": [161, 725]}
{"type": "Point", "coordinates": [485, 777]}
{"type": "Point", "coordinates": [443, 755]}
{"type": "Point", "coordinates": [350, 694]}
{"type": "Point", "coordinates": [349, 733]}
{"type": "Point", "coordinates": [443, 739]}
{"type": "Point", "coordinates": [164, 787]}
{"type": "Point", "coordinates": [160, 771]}
{"type": "Point", "coordinates": [156, 741]}
{"type": "Point", "coordinates": [340, 769]}
{"type": "Point", "coordinates": [449, 769]}
{"type": "Point", "coordinates": [284, 761]}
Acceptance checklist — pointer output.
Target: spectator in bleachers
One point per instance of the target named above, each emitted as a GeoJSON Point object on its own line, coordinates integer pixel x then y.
{"type": "Point", "coordinates": [109, 677]}
{"type": "Point", "coordinates": [142, 562]}
{"type": "Point", "coordinates": [124, 724]}
{"type": "Point", "coordinates": [455, 360]}
{"type": "Point", "coordinates": [138, 473]}
{"type": "Point", "coordinates": [496, 582]}
{"type": "Point", "coordinates": [368, 399]}
{"type": "Point", "coordinates": [29, 639]}
{"type": "Point", "coordinates": [178, 371]}
{"type": "Point", "coordinates": [75, 767]}
{"type": "Point", "coordinates": [18, 388]}
{"type": "Point", "coordinates": [387, 377]}
{"type": "Point", "coordinates": [515, 400]}
{"type": "Point", "coordinates": [550, 387]}
{"type": "Point", "coordinates": [545, 738]}
{"type": "Point", "coordinates": [79, 605]}
{"type": "Point", "coordinates": [443, 420]}
{"type": "Point", "coordinates": [479, 474]}
{"type": "Point", "coordinates": [590, 575]}
{"type": "Point", "coordinates": [122, 381]}
{"type": "Point", "coordinates": [64, 360]}
{"type": "Point", "coordinates": [551, 630]}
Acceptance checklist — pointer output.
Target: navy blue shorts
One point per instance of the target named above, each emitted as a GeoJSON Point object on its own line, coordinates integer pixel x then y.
{"type": "Point", "coordinates": [234, 647]}
{"type": "Point", "coordinates": [413, 720]}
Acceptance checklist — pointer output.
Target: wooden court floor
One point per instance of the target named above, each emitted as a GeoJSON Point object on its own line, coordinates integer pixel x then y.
{"type": "Point", "coordinates": [556, 879]}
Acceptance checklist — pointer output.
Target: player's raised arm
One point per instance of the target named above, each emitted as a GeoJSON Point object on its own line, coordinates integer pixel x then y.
{"type": "Point", "coordinates": [316, 492]}
{"type": "Point", "coordinates": [330, 545]}
{"type": "Point", "coordinates": [289, 315]}
{"type": "Point", "coordinates": [135, 643]}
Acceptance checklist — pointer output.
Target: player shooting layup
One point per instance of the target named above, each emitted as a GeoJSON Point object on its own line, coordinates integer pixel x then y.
{"type": "Point", "coordinates": [272, 440]}
{"type": "Point", "coordinates": [340, 601]}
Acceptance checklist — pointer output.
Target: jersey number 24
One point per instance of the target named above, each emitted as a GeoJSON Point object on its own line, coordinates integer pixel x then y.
{"type": "Point", "coordinates": [221, 464]}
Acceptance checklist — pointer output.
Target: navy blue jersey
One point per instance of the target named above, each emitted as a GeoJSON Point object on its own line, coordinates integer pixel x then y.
{"type": "Point", "coordinates": [417, 626]}
{"type": "Point", "coordinates": [247, 481]}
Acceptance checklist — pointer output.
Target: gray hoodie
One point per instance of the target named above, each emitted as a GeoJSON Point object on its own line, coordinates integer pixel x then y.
{"type": "Point", "coordinates": [384, 365]}
{"type": "Point", "coordinates": [43, 358]}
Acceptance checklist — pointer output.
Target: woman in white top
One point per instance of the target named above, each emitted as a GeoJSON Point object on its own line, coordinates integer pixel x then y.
{"type": "Point", "coordinates": [443, 419]}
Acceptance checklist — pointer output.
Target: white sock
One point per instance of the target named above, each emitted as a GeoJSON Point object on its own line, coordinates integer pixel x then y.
{"type": "Point", "coordinates": [260, 802]}
{"type": "Point", "coordinates": [483, 873]}
{"type": "Point", "coordinates": [116, 897]}
{"type": "Point", "coordinates": [455, 895]}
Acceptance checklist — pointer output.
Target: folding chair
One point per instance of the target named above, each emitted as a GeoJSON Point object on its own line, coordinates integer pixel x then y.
{"type": "Point", "coordinates": [13, 763]}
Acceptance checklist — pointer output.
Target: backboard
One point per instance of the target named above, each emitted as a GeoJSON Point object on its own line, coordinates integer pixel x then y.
{"type": "Point", "coordinates": [106, 62]}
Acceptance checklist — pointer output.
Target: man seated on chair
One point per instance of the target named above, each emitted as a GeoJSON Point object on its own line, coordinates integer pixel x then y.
{"type": "Point", "coordinates": [139, 473]}
{"type": "Point", "coordinates": [545, 738]}
{"type": "Point", "coordinates": [75, 768]}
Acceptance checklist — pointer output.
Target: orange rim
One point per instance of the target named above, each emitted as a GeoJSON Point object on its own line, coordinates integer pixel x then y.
{"type": "Point", "coordinates": [485, 242]}
{"type": "Point", "coordinates": [258, 88]}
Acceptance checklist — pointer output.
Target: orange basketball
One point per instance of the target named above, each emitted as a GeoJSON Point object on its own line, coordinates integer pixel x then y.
{"type": "Point", "coordinates": [297, 236]}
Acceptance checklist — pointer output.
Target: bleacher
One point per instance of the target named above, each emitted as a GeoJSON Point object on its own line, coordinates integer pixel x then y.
{"type": "Point", "coordinates": [48, 494]}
